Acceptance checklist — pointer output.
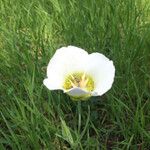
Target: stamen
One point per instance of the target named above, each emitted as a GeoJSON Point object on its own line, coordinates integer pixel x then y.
{"type": "Point", "coordinates": [72, 77]}
{"type": "Point", "coordinates": [73, 85]}
{"type": "Point", "coordinates": [83, 76]}
{"type": "Point", "coordinates": [86, 81]}
{"type": "Point", "coordinates": [81, 80]}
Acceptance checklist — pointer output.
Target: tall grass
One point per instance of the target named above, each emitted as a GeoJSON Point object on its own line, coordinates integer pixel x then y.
{"type": "Point", "coordinates": [33, 117]}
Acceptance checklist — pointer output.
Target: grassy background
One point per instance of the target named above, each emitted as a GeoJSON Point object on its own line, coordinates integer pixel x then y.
{"type": "Point", "coordinates": [32, 117]}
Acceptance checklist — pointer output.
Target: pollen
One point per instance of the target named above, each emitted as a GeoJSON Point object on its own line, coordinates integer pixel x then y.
{"type": "Point", "coordinates": [79, 79]}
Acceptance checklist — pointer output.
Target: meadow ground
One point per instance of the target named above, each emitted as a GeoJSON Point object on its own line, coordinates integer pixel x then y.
{"type": "Point", "coordinates": [32, 117]}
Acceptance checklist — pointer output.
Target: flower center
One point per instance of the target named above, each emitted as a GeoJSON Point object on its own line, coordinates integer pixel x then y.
{"type": "Point", "coordinates": [79, 79]}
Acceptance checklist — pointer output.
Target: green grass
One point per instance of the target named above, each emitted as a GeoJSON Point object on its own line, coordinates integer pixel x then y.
{"type": "Point", "coordinates": [32, 117]}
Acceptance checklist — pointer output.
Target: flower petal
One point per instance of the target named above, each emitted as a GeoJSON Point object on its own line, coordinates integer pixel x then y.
{"type": "Point", "coordinates": [51, 85]}
{"type": "Point", "coordinates": [103, 72]}
{"type": "Point", "coordinates": [78, 93]}
{"type": "Point", "coordinates": [66, 60]}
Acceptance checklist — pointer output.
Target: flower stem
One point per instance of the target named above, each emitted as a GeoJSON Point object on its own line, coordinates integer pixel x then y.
{"type": "Point", "coordinates": [79, 116]}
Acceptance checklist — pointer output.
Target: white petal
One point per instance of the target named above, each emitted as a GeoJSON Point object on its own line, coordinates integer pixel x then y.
{"type": "Point", "coordinates": [77, 92]}
{"type": "Point", "coordinates": [102, 70]}
{"type": "Point", "coordinates": [51, 85]}
{"type": "Point", "coordinates": [66, 60]}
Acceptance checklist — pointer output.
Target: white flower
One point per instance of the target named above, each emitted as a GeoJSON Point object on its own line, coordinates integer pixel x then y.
{"type": "Point", "coordinates": [79, 74]}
